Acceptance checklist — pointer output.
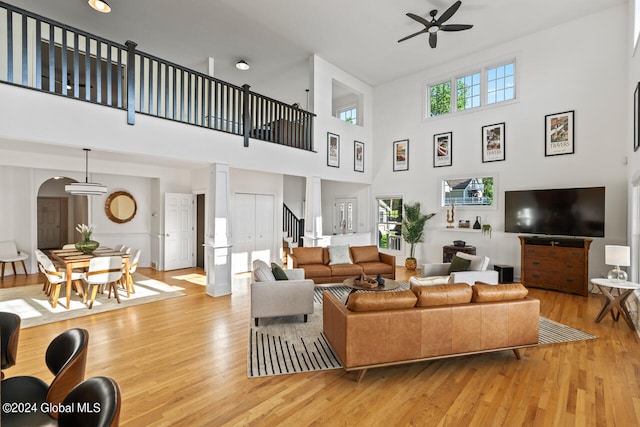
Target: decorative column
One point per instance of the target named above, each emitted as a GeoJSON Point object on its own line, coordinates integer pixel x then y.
{"type": "Point", "coordinates": [218, 242]}
{"type": "Point", "coordinates": [313, 232]}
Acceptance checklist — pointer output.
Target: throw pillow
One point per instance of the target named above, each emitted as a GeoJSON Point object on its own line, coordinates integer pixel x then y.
{"type": "Point", "coordinates": [262, 272]}
{"type": "Point", "coordinates": [429, 281]}
{"type": "Point", "coordinates": [459, 264]}
{"type": "Point", "coordinates": [339, 255]}
{"type": "Point", "coordinates": [478, 263]}
{"type": "Point", "coordinates": [278, 272]}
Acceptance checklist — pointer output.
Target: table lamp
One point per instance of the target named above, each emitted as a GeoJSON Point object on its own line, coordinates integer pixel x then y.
{"type": "Point", "coordinates": [618, 256]}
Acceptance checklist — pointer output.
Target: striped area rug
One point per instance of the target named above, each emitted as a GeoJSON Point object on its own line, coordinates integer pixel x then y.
{"type": "Point", "coordinates": [287, 345]}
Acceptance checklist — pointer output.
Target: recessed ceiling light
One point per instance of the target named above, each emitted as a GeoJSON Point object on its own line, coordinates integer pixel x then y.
{"type": "Point", "coordinates": [100, 6]}
{"type": "Point", "coordinates": [242, 65]}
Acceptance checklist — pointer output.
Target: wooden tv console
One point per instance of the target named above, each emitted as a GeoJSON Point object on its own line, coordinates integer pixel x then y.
{"type": "Point", "coordinates": [556, 263]}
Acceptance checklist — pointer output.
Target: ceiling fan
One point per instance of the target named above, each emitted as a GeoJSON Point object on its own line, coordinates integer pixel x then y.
{"type": "Point", "coordinates": [432, 27]}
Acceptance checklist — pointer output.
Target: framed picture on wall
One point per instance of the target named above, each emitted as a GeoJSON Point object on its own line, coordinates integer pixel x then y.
{"type": "Point", "coordinates": [636, 118]}
{"type": "Point", "coordinates": [493, 143]}
{"type": "Point", "coordinates": [358, 156]}
{"type": "Point", "coordinates": [558, 131]}
{"type": "Point", "coordinates": [442, 145]}
{"type": "Point", "coordinates": [401, 155]}
{"type": "Point", "coordinates": [333, 150]}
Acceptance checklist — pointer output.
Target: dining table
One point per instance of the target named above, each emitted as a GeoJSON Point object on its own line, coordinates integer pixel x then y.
{"type": "Point", "coordinates": [74, 259]}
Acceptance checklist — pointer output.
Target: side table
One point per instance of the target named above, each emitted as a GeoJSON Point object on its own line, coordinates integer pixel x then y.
{"type": "Point", "coordinates": [450, 250]}
{"type": "Point", "coordinates": [505, 273]}
{"type": "Point", "coordinates": [615, 304]}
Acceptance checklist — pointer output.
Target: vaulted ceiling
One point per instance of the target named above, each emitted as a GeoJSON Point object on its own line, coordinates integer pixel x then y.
{"type": "Point", "coordinates": [278, 36]}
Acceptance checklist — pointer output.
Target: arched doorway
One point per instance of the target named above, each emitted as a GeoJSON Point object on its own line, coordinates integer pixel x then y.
{"type": "Point", "coordinates": [58, 212]}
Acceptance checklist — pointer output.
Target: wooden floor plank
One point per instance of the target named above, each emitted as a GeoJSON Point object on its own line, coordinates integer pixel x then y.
{"type": "Point", "coordinates": [183, 361]}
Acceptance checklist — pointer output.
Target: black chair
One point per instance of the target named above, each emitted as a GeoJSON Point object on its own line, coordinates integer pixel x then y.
{"type": "Point", "coordinates": [96, 402]}
{"type": "Point", "coordinates": [66, 358]}
{"type": "Point", "coordinates": [9, 336]}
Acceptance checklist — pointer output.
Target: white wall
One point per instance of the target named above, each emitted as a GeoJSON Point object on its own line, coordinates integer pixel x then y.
{"type": "Point", "coordinates": [332, 190]}
{"type": "Point", "coordinates": [570, 67]}
{"type": "Point", "coordinates": [323, 74]}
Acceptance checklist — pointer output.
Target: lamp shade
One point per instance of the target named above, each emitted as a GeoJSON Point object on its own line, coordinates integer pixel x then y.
{"type": "Point", "coordinates": [617, 255]}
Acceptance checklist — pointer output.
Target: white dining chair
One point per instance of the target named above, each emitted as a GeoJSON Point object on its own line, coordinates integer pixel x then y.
{"type": "Point", "coordinates": [10, 253]}
{"type": "Point", "coordinates": [103, 271]}
{"type": "Point", "coordinates": [69, 246]}
{"type": "Point", "coordinates": [134, 257]}
{"type": "Point", "coordinates": [125, 250]}
{"type": "Point", "coordinates": [56, 278]}
{"type": "Point", "coordinates": [118, 248]}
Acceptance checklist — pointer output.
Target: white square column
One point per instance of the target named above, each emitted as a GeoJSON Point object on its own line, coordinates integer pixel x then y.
{"type": "Point", "coordinates": [218, 242]}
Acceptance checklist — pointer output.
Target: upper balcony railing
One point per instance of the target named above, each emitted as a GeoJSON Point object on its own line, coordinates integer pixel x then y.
{"type": "Point", "coordinates": [42, 54]}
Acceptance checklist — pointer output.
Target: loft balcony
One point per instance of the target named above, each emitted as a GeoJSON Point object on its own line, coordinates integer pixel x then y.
{"type": "Point", "coordinates": [51, 57]}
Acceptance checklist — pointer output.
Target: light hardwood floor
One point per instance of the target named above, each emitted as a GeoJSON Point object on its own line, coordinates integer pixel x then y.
{"type": "Point", "coordinates": [183, 361]}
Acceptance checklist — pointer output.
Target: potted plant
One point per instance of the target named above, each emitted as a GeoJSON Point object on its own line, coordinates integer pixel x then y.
{"type": "Point", "coordinates": [413, 224]}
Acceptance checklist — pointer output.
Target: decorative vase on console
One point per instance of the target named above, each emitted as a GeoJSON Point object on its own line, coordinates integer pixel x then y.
{"type": "Point", "coordinates": [86, 246]}
{"type": "Point", "coordinates": [476, 225]}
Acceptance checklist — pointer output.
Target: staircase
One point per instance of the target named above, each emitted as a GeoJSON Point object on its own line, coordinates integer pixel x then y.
{"type": "Point", "coordinates": [293, 231]}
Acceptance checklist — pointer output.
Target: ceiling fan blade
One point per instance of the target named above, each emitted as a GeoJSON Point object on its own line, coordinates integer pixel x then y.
{"type": "Point", "coordinates": [449, 12]}
{"type": "Point", "coordinates": [433, 39]}
{"type": "Point", "coordinates": [420, 19]}
{"type": "Point", "coordinates": [412, 35]}
{"type": "Point", "coordinates": [455, 27]}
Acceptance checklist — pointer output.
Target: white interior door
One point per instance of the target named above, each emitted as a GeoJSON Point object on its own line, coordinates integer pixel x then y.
{"type": "Point", "coordinates": [244, 235]}
{"type": "Point", "coordinates": [254, 230]}
{"type": "Point", "coordinates": [179, 239]}
{"type": "Point", "coordinates": [264, 228]}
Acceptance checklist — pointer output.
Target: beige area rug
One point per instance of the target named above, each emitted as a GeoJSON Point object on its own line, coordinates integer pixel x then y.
{"type": "Point", "coordinates": [34, 308]}
{"type": "Point", "coordinates": [287, 345]}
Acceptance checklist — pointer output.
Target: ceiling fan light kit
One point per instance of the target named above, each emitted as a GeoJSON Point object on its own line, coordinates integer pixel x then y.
{"type": "Point", "coordinates": [100, 5]}
{"type": "Point", "coordinates": [434, 25]}
{"type": "Point", "coordinates": [86, 188]}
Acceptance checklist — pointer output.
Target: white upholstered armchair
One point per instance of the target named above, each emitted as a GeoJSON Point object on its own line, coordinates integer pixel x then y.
{"type": "Point", "coordinates": [438, 273]}
{"type": "Point", "coordinates": [273, 298]}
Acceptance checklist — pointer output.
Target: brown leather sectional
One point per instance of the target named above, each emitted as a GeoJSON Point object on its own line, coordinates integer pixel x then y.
{"type": "Point", "coordinates": [429, 322]}
{"type": "Point", "coordinates": [366, 259]}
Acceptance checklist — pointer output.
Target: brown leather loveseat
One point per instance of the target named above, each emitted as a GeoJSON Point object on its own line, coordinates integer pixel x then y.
{"type": "Point", "coordinates": [377, 329]}
{"type": "Point", "coordinates": [317, 265]}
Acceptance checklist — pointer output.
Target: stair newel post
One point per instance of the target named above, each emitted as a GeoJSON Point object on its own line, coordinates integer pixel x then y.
{"type": "Point", "coordinates": [246, 122]}
{"type": "Point", "coordinates": [131, 82]}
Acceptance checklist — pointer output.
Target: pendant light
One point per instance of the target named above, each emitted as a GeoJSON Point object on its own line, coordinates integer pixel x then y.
{"type": "Point", "coordinates": [85, 188]}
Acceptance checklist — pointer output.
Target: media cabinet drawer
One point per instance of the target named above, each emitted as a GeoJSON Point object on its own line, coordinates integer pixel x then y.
{"type": "Point", "coordinates": [557, 266]}
{"type": "Point", "coordinates": [554, 252]}
{"type": "Point", "coordinates": [549, 280]}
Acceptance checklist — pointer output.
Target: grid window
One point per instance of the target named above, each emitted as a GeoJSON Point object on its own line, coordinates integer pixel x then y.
{"type": "Point", "coordinates": [440, 99]}
{"type": "Point", "coordinates": [349, 115]}
{"type": "Point", "coordinates": [389, 223]}
{"type": "Point", "coordinates": [500, 83]}
{"type": "Point", "coordinates": [468, 92]}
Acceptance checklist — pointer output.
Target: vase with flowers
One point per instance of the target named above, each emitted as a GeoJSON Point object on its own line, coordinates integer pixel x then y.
{"type": "Point", "coordinates": [86, 246]}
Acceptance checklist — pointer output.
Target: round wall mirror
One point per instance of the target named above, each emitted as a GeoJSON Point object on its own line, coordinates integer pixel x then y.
{"type": "Point", "coordinates": [120, 207]}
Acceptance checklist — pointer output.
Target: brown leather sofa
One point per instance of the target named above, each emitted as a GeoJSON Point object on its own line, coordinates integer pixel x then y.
{"type": "Point", "coordinates": [365, 259]}
{"type": "Point", "coordinates": [377, 329]}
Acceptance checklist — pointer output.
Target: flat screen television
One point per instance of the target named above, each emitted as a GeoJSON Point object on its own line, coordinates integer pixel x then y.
{"type": "Point", "coordinates": [560, 212]}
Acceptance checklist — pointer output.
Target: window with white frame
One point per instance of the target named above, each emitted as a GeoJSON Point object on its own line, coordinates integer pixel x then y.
{"type": "Point", "coordinates": [500, 83]}
{"type": "Point", "coordinates": [439, 99]}
{"type": "Point", "coordinates": [468, 91]}
{"type": "Point", "coordinates": [491, 85]}
{"type": "Point", "coordinates": [349, 115]}
{"type": "Point", "coordinates": [389, 222]}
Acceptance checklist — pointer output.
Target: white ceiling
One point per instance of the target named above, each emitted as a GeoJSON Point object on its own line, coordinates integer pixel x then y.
{"type": "Point", "coordinates": [273, 36]}
{"type": "Point", "coordinates": [277, 37]}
